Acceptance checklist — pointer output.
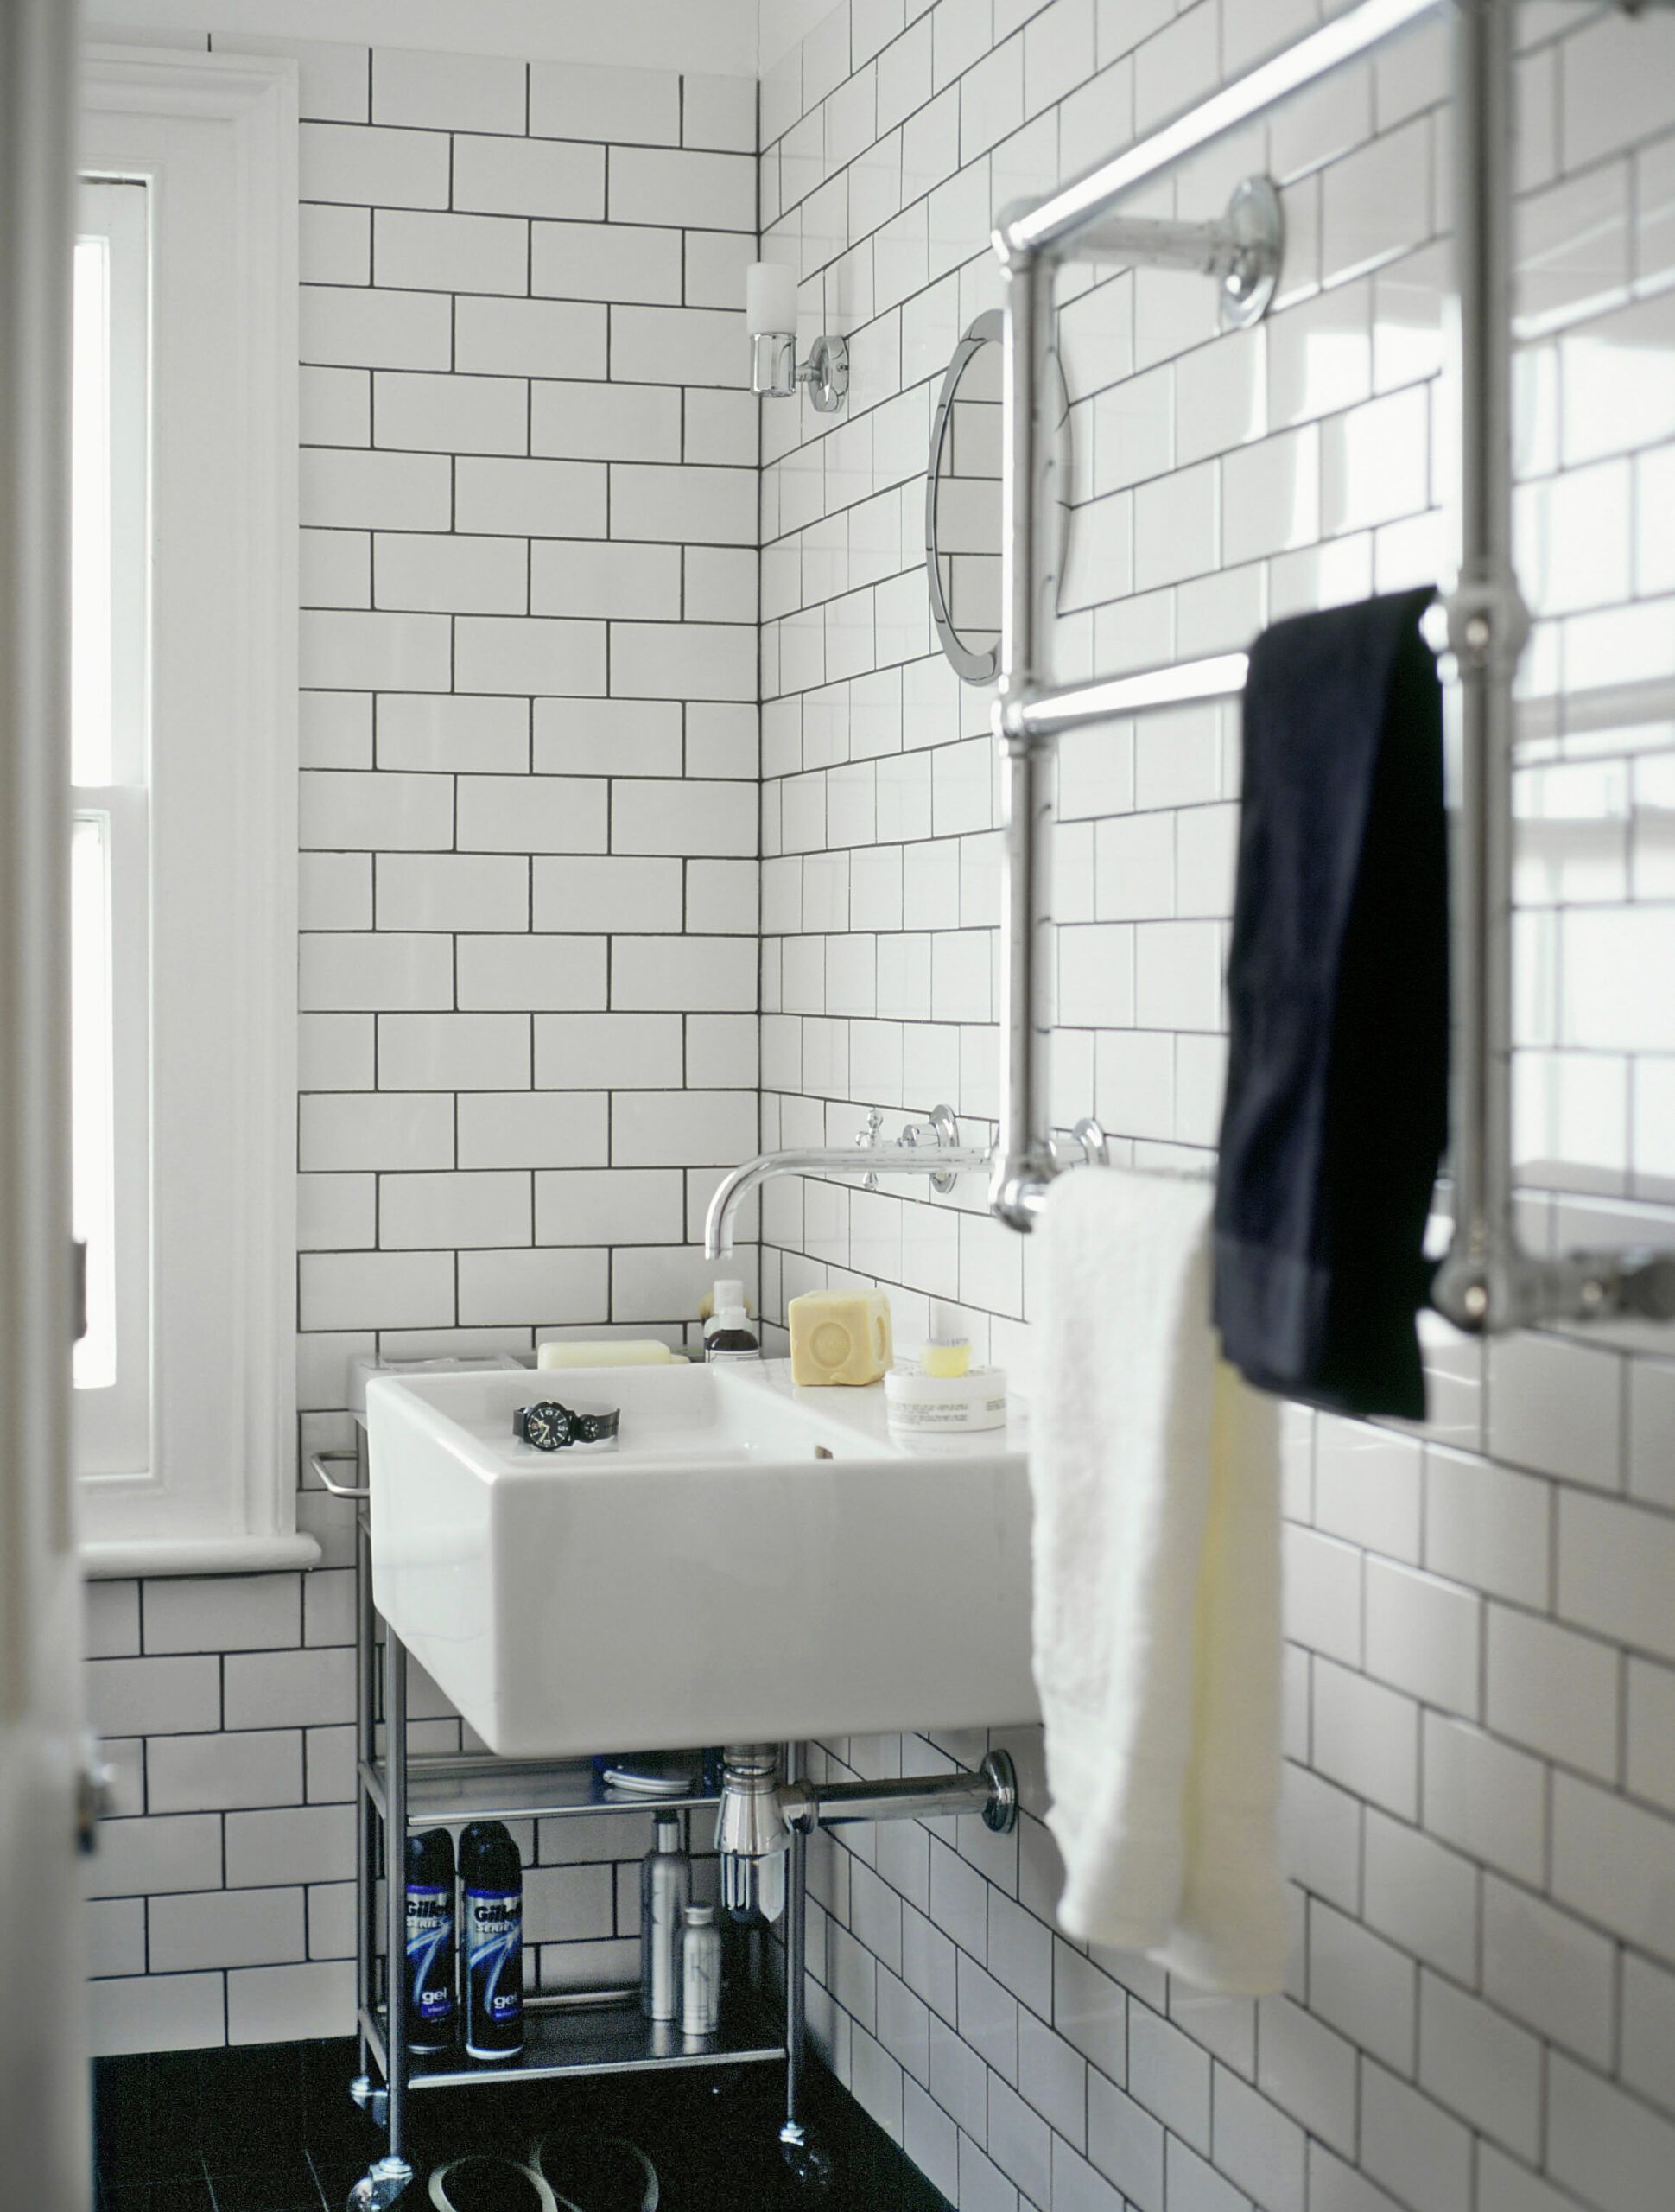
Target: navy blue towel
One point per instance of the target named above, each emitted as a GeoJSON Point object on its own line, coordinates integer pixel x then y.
{"type": "Point", "coordinates": [1337, 1109]}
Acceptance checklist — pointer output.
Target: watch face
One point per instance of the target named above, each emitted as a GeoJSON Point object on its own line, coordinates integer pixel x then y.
{"type": "Point", "coordinates": [549, 1427]}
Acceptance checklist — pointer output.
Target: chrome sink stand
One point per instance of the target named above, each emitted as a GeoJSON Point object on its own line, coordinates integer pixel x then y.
{"type": "Point", "coordinates": [591, 2032]}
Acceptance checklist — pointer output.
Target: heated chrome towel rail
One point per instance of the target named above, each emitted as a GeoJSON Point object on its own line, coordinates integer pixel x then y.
{"type": "Point", "coordinates": [1488, 1280]}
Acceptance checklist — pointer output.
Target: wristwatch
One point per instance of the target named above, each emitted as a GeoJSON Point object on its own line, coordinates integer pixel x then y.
{"type": "Point", "coordinates": [550, 1426]}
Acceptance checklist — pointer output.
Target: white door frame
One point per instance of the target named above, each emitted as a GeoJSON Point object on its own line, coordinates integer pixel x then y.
{"type": "Point", "coordinates": [43, 2083]}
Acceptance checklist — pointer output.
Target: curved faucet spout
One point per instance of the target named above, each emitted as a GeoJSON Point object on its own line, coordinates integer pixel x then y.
{"type": "Point", "coordinates": [913, 1156]}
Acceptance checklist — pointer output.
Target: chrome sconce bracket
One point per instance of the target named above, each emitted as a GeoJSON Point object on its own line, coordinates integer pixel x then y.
{"type": "Point", "coordinates": [774, 374]}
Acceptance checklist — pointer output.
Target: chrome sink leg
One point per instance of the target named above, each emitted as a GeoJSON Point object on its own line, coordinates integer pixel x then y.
{"type": "Point", "coordinates": [809, 2165]}
{"type": "Point", "coordinates": [380, 2185]}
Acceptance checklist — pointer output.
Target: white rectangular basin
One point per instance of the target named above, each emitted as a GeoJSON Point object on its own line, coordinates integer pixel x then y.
{"type": "Point", "coordinates": [749, 1561]}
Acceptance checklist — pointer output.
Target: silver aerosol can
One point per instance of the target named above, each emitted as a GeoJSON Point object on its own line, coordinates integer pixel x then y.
{"type": "Point", "coordinates": [666, 1889]}
{"type": "Point", "coordinates": [701, 1972]}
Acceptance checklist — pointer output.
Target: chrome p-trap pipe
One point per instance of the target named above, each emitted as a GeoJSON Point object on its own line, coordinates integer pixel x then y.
{"type": "Point", "coordinates": [990, 1790]}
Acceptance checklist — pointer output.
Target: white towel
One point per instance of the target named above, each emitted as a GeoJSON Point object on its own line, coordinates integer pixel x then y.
{"type": "Point", "coordinates": [1155, 1480]}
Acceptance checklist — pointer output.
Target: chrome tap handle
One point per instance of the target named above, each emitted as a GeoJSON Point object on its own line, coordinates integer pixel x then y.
{"type": "Point", "coordinates": [867, 1142]}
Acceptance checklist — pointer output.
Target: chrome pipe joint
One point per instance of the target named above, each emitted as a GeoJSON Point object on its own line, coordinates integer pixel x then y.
{"type": "Point", "coordinates": [758, 1813]}
{"type": "Point", "coordinates": [750, 1838]}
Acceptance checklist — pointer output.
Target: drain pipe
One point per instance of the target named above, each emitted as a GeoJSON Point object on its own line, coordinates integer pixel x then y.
{"type": "Point", "coordinates": [989, 1790]}
{"type": "Point", "coordinates": [758, 1814]}
{"type": "Point", "coordinates": [751, 1837]}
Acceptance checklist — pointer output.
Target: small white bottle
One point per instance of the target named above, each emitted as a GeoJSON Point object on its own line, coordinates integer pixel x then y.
{"type": "Point", "coordinates": [701, 1972]}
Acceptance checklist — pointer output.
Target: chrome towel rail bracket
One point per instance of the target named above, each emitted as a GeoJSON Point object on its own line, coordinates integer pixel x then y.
{"type": "Point", "coordinates": [1243, 250]}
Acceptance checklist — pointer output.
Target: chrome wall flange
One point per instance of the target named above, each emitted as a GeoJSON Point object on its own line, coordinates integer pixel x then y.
{"type": "Point", "coordinates": [1092, 1148]}
{"type": "Point", "coordinates": [1256, 227]}
{"type": "Point", "coordinates": [941, 1129]}
{"type": "Point", "coordinates": [1000, 1814]}
{"type": "Point", "coordinates": [826, 372]}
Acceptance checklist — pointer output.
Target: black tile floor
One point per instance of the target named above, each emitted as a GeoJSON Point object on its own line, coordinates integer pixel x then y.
{"type": "Point", "coordinates": [273, 2129]}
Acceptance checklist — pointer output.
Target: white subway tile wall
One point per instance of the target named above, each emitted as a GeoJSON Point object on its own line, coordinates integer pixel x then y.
{"type": "Point", "coordinates": [1480, 1998]}
{"type": "Point", "coordinates": [528, 907]}
{"type": "Point", "coordinates": [530, 956]}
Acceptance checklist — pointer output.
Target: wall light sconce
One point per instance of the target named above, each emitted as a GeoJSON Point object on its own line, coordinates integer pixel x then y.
{"type": "Point", "coordinates": [770, 318]}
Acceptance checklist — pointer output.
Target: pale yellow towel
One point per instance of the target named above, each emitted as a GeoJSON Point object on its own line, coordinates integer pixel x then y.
{"type": "Point", "coordinates": [1155, 1480]}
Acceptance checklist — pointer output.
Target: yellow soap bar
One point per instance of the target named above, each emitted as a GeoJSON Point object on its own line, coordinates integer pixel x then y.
{"type": "Point", "coordinates": [840, 1336]}
{"type": "Point", "coordinates": [606, 1351]}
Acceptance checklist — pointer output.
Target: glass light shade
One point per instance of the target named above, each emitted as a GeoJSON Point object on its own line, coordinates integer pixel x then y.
{"type": "Point", "coordinates": [769, 298]}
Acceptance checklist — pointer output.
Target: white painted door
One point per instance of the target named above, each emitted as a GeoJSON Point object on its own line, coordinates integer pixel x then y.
{"type": "Point", "coordinates": [43, 2079]}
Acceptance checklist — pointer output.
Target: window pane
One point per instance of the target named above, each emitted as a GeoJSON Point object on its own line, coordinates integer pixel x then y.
{"type": "Point", "coordinates": [91, 1099]}
{"type": "Point", "coordinates": [90, 535]}
{"type": "Point", "coordinates": [110, 446]}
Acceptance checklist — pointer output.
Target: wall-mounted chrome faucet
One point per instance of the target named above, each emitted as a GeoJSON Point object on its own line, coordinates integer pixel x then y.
{"type": "Point", "coordinates": [759, 1814]}
{"type": "Point", "coordinates": [928, 1148]}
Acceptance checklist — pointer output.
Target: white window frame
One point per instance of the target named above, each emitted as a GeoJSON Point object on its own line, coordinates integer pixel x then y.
{"type": "Point", "coordinates": [215, 139]}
